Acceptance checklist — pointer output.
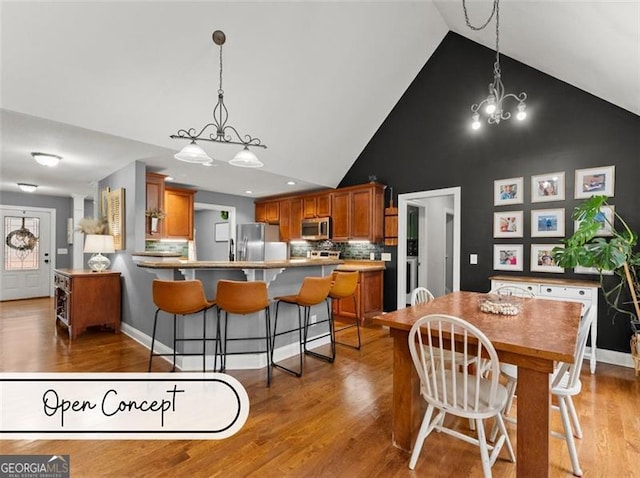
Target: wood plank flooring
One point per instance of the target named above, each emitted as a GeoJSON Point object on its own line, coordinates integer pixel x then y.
{"type": "Point", "coordinates": [334, 421]}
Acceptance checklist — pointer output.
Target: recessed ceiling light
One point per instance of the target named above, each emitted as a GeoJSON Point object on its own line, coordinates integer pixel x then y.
{"type": "Point", "coordinates": [248, 191]}
{"type": "Point", "coordinates": [291, 183]}
{"type": "Point", "coordinates": [168, 178]}
{"type": "Point", "coordinates": [46, 159]}
{"type": "Point", "coordinates": [27, 188]}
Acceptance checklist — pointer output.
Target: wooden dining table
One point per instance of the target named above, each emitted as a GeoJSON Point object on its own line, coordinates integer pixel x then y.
{"type": "Point", "coordinates": [544, 331]}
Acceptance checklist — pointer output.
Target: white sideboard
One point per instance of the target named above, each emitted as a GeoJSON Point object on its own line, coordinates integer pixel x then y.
{"type": "Point", "coordinates": [585, 292]}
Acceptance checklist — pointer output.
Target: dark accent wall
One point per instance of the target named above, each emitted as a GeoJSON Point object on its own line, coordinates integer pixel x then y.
{"type": "Point", "coordinates": [426, 143]}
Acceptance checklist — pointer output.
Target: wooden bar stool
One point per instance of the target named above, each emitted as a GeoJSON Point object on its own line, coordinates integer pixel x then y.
{"type": "Point", "coordinates": [182, 298]}
{"type": "Point", "coordinates": [345, 285]}
{"type": "Point", "coordinates": [242, 298]}
{"type": "Point", "coordinates": [314, 290]}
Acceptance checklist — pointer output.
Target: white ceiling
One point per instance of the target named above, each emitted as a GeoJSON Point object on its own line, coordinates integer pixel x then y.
{"type": "Point", "coordinates": [105, 83]}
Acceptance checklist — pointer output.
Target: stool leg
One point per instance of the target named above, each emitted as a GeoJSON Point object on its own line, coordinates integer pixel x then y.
{"type": "Point", "coordinates": [328, 358]}
{"type": "Point", "coordinates": [356, 325]}
{"type": "Point", "coordinates": [153, 337]}
{"type": "Point", "coordinates": [175, 328]}
{"type": "Point", "coordinates": [273, 343]}
{"type": "Point", "coordinates": [204, 340]}
{"type": "Point", "coordinates": [267, 320]}
{"type": "Point", "coordinates": [223, 353]}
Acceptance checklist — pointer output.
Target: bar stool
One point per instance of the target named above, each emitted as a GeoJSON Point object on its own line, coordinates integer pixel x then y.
{"type": "Point", "coordinates": [314, 290]}
{"type": "Point", "coordinates": [345, 285]}
{"type": "Point", "coordinates": [182, 298]}
{"type": "Point", "coordinates": [242, 298]}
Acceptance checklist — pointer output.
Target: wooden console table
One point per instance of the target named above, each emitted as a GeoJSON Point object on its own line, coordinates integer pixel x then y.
{"type": "Point", "coordinates": [582, 291]}
{"type": "Point", "coordinates": [84, 298]}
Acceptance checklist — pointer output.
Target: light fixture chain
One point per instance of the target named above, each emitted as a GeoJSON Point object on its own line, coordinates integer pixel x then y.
{"type": "Point", "coordinates": [466, 15]}
{"type": "Point", "coordinates": [220, 90]}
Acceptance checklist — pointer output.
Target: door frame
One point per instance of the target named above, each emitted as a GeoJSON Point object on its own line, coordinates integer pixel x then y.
{"type": "Point", "coordinates": [201, 206]}
{"type": "Point", "coordinates": [52, 235]}
{"type": "Point", "coordinates": [403, 201]}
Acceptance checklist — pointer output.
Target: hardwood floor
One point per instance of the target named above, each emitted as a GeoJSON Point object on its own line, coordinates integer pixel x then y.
{"type": "Point", "coordinates": [334, 421]}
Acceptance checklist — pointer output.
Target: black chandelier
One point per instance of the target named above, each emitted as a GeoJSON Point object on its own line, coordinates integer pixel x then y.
{"type": "Point", "coordinates": [223, 132]}
{"type": "Point", "coordinates": [493, 103]}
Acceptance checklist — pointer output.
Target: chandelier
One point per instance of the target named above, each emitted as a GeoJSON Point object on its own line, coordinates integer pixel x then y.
{"type": "Point", "coordinates": [493, 103]}
{"type": "Point", "coordinates": [222, 132]}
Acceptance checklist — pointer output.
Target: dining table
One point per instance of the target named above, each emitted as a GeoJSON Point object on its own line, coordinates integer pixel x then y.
{"type": "Point", "coordinates": [543, 332]}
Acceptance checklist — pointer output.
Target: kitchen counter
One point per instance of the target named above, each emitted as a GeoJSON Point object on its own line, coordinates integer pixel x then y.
{"type": "Point", "coordinates": [157, 254]}
{"type": "Point", "coordinates": [361, 266]}
{"type": "Point", "coordinates": [185, 264]}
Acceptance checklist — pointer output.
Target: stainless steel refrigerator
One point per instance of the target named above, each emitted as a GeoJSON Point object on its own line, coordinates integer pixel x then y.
{"type": "Point", "coordinates": [258, 241]}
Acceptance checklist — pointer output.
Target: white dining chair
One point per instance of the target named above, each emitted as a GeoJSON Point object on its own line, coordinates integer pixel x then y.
{"type": "Point", "coordinates": [565, 383]}
{"type": "Point", "coordinates": [421, 295]}
{"type": "Point", "coordinates": [507, 370]}
{"type": "Point", "coordinates": [448, 388]}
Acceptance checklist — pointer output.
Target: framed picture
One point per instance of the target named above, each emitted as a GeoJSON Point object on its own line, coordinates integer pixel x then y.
{"type": "Point", "coordinates": [542, 260]}
{"type": "Point", "coordinates": [508, 191]}
{"type": "Point", "coordinates": [595, 182]}
{"type": "Point", "coordinates": [547, 187]}
{"type": "Point", "coordinates": [507, 257]}
{"type": "Point", "coordinates": [508, 224]}
{"type": "Point", "coordinates": [222, 232]}
{"type": "Point", "coordinates": [547, 223]}
{"type": "Point", "coordinates": [605, 217]}
{"type": "Point", "coordinates": [590, 270]}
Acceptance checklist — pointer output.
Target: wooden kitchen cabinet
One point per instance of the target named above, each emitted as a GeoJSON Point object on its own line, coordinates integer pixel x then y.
{"type": "Point", "coordinates": [154, 201]}
{"type": "Point", "coordinates": [178, 203]}
{"type": "Point", "coordinates": [316, 206]}
{"type": "Point", "coordinates": [369, 298]}
{"type": "Point", "coordinates": [358, 213]}
{"type": "Point", "coordinates": [84, 298]}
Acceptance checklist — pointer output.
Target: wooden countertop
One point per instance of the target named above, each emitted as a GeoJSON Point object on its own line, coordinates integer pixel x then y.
{"type": "Point", "coordinates": [361, 266]}
{"type": "Point", "coordinates": [184, 264]}
{"type": "Point", "coordinates": [157, 254]}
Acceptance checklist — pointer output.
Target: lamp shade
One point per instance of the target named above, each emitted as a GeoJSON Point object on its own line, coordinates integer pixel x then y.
{"type": "Point", "coordinates": [99, 243]}
{"type": "Point", "coordinates": [46, 159]}
{"type": "Point", "coordinates": [28, 188]}
{"type": "Point", "coordinates": [246, 159]}
{"type": "Point", "coordinates": [192, 153]}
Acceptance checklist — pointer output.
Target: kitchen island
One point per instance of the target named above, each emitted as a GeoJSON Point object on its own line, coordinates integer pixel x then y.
{"type": "Point", "coordinates": [283, 277]}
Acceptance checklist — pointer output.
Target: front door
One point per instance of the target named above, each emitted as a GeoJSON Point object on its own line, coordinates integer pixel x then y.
{"type": "Point", "coordinates": [26, 266]}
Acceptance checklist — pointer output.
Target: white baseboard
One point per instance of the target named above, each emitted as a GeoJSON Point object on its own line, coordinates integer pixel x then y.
{"type": "Point", "coordinates": [612, 357]}
{"type": "Point", "coordinates": [234, 362]}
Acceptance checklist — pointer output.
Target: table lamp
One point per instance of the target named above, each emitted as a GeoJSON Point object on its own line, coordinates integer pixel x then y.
{"type": "Point", "coordinates": [98, 244]}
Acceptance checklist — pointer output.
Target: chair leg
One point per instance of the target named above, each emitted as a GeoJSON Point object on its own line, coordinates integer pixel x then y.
{"type": "Point", "coordinates": [223, 345]}
{"type": "Point", "coordinates": [153, 337]}
{"type": "Point", "coordinates": [577, 429]}
{"type": "Point", "coordinates": [568, 434]}
{"type": "Point", "coordinates": [425, 428]}
{"type": "Point", "coordinates": [204, 341]}
{"type": "Point", "coordinates": [484, 450]}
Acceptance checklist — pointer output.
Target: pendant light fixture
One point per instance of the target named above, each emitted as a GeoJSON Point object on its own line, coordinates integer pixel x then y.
{"type": "Point", "coordinates": [493, 103]}
{"type": "Point", "coordinates": [224, 133]}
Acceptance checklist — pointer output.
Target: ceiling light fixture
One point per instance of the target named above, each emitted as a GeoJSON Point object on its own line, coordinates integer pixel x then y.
{"type": "Point", "coordinates": [27, 188]}
{"type": "Point", "coordinates": [493, 103]}
{"type": "Point", "coordinates": [224, 133]}
{"type": "Point", "coordinates": [46, 159]}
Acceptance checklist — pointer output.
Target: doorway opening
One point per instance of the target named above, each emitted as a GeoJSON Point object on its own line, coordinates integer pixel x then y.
{"type": "Point", "coordinates": [430, 249]}
{"type": "Point", "coordinates": [215, 232]}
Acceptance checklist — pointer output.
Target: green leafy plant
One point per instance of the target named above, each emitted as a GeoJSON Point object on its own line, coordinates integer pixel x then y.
{"type": "Point", "coordinates": [614, 253]}
{"type": "Point", "coordinates": [157, 213]}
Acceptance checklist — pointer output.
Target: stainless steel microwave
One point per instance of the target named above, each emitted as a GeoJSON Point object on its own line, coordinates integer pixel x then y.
{"type": "Point", "coordinates": [316, 229]}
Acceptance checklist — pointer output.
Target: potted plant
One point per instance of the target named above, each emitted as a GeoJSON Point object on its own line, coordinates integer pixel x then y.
{"type": "Point", "coordinates": [613, 253]}
{"type": "Point", "coordinates": [155, 215]}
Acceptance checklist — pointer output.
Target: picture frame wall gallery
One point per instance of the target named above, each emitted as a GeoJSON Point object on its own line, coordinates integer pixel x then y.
{"type": "Point", "coordinates": [544, 223]}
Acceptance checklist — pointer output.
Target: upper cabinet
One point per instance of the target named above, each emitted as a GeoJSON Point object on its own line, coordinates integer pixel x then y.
{"type": "Point", "coordinates": [316, 206]}
{"type": "Point", "coordinates": [356, 212]}
{"type": "Point", "coordinates": [178, 204]}
{"type": "Point", "coordinates": [155, 201]}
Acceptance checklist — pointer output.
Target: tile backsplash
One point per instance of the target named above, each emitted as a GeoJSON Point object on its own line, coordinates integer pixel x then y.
{"type": "Point", "coordinates": [359, 251]}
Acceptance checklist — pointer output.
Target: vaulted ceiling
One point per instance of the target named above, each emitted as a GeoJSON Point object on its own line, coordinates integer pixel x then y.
{"type": "Point", "coordinates": [105, 83]}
